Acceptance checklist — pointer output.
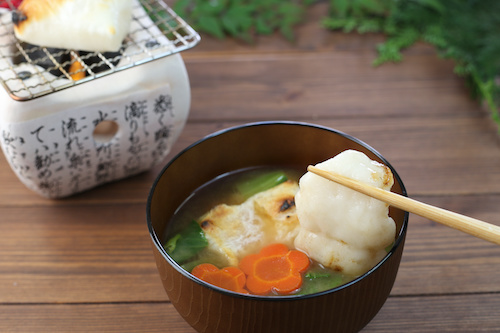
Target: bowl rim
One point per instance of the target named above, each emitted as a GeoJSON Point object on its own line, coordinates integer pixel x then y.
{"type": "Point", "coordinates": [158, 244]}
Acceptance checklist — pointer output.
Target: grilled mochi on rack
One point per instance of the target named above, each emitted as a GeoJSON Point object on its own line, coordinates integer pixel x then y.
{"type": "Point", "coordinates": [89, 25]}
{"type": "Point", "coordinates": [233, 231]}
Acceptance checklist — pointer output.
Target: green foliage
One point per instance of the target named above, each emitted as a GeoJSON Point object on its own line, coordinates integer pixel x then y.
{"type": "Point", "coordinates": [242, 19]}
{"type": "Point", "coordinates": [357, 15]}
{"type": "Point", "coordinates": [463, 30]}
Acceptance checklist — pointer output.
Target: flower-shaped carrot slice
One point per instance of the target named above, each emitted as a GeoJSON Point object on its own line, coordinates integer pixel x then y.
{"type": "Point", "coordinates": [275, 268]}
{"type": "Point", "coordinates": [230, 278]}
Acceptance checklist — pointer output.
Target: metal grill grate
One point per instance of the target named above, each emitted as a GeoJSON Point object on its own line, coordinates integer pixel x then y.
{"type": "Point", "coordinates": [28, 71]}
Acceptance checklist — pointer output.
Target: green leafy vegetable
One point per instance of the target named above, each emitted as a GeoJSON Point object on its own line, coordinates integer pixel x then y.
{"type": "Point", "coordinates": [465, 31]}
{"type": "Point", "coordinates": [242, 18]}
{"type": "Point", "coordinates": [187, 243]}
{"type": "Point", "coordinates": [261, 183]}
{"type": "Point", "coordinates": [316, 275]}
{"type": "Point", "coordinates": [388, 248]}
{"type": "Point", "coordinates": [188, 266]}
{"type": "Point", "coordinates": [317, 280]}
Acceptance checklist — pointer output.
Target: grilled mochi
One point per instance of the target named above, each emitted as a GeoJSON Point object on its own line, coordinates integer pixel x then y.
{"type": "Point", "coordinates": [89, 25]}
{"type": "Point", "coordinates": [339, 227]}
{"type": "Point", "coordinates": [233, 231]}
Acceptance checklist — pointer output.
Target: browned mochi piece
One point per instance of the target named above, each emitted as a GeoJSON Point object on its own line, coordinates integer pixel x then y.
{"type": "Point", "coordinates": [233, 231]}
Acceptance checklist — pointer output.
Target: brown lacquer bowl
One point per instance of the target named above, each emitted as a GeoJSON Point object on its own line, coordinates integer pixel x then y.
{"type": "Point", "coordinates": [347, 308]}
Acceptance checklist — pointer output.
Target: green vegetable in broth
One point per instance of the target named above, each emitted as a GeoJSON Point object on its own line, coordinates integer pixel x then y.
{"type": "Point", "coordinates": [261, 183]}
{"type": "Point", "coordinates": [389, 247]}
{"type": "Point", "coordinates": [316, 280]}
{"type": "Point", "coordinates": [187, 243]}
{"type": "Point", "coordinates": [189, 265]}
{"type": "Point", "coordinates": [232, 222]}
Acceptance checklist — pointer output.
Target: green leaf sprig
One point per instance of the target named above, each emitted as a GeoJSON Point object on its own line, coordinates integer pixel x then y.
{"type": "Point", "coordinates": [466, 31]}
{"type": "Point", "coordinates": [242, 19]}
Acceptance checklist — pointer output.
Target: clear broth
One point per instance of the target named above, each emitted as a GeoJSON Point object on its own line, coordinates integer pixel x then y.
{"type": "Point", "coordinates": [222, 189]}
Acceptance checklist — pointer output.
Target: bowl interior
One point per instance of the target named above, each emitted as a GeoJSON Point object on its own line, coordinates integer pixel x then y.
{"type": "Point", "coordinates": [268, 143]}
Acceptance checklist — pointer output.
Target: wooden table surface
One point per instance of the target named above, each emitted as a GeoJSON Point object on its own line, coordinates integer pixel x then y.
{"type": "Point", "coordinates": [85, 264]}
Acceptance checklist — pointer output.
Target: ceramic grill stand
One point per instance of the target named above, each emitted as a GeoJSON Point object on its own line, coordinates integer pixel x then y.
{"type": "Point", "coordinates": [63, 136]}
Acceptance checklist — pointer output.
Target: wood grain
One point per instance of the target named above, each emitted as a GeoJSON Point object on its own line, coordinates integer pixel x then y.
{"type": "Point", "coordinates": [426, 154]}
{"type": "Point", "coordinates": [84, 263]}
{"type": "Point", "coordinates": [76, 253]}
{"type": "Point", "coordinates": [450, 313]}
{"type": "Point", "coordinates": [72, 253]}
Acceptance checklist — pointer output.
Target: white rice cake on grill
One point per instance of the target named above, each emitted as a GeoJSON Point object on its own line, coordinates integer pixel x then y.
{"type": "Point", "coordinates": [89, 25]}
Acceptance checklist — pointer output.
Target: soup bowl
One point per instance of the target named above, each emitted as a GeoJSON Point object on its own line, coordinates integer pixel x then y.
{"type": "Point", "coordinates": [207, 308]}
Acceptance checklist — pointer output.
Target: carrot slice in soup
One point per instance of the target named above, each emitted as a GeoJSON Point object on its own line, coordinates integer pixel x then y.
{"type": "Point", "coordinates": [230, 278]}
{"type": "Point", "coordinates": [274, 268]}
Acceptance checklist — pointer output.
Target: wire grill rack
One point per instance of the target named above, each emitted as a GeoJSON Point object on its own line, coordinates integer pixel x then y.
{"type": "Point", "coordinates": [29, 71]}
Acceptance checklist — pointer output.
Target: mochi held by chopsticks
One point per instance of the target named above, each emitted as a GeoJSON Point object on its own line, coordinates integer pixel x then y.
{"type": "Point", "coordinates": [339, 227]}
{"type": "Point", "coordinates": [90, 25]}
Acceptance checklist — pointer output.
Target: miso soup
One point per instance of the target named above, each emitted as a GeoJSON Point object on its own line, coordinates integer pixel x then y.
{"type": "Point", "coordinates": [220, 211]}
